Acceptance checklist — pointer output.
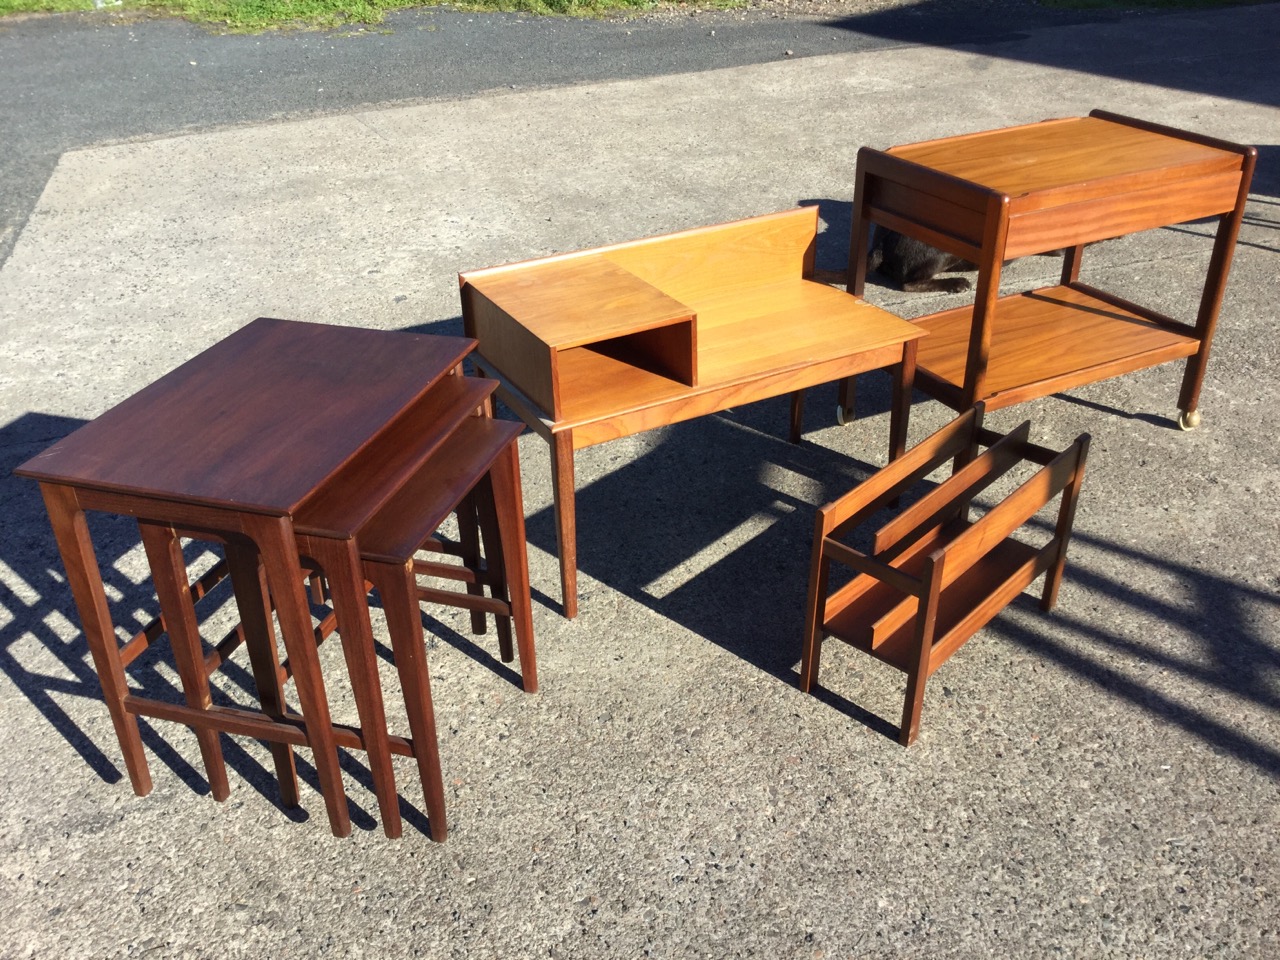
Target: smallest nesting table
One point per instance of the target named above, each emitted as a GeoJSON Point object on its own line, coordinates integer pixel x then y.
{"type": "Point", "coordinates": [236, 443]}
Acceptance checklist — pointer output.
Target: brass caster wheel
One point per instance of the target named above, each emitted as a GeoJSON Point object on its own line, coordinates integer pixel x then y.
{"type": "Point", "coordinates": [844, 416]}
{"type": "Point", "coordinates": [1189, 419]}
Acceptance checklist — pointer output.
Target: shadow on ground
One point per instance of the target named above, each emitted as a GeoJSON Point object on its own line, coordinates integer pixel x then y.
{"type": "Point", "coordinates": [704, 529]}
{"type": "Point", "coordinates": [1173, 54]}
{"type": "Point", "coordinates": [47, 668]}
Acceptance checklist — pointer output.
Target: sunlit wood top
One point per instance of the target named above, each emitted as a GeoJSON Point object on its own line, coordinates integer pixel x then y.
{"type": "Point", "coordinates": [1042, 335]}
{"type": "Point", "coordinates": [742, 335]}
{"type": "Point", "coordinates": [625, 358]}
{"type": "Point", "coordinates": [788, 324]}
{"type": "Point", "coordinates": [1074, 152]}
{"type": "Point", "coordinates": [568, 302]}
{"type": "Point", "coordinates": [259, 420]}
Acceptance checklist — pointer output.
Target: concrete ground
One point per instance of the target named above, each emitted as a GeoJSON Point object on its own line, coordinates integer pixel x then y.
{"type": "Point", "coordinates": [1096, 782]}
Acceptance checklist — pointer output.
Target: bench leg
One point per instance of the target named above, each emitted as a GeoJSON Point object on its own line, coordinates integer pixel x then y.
{"type": "Point", "coordinates": [797, 416]}
{"type": "Point", "coordinates": [562, 482]}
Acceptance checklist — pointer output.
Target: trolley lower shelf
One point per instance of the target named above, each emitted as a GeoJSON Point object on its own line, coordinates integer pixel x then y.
{"type": "Point", "coordinates": [1048, 340]}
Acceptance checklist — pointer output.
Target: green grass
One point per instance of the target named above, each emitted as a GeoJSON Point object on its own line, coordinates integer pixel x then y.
{"type": "Point", "coordinates": [247, 15]}
{"type": "Point", "coordinates": [251, 15]}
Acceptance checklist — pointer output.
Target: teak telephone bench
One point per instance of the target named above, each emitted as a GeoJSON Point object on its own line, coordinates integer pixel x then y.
{"type": "Point", "coordinates": [994, 196]}
{"type": "Point", "coordinates": [605, 343]}
{"type": "Point", "coordinates": [933, 578]}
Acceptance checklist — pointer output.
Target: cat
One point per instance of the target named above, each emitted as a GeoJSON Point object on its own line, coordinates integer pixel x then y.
{"type": "Point", "coordinates": [914, 265]}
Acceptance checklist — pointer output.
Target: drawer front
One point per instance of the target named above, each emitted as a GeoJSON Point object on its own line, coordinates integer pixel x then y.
{"type": "Point", "coordinates": [1113, 216]}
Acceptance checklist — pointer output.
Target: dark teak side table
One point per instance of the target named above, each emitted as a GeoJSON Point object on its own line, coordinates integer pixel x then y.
{"type": "Point", "coordinates": [233, 444]}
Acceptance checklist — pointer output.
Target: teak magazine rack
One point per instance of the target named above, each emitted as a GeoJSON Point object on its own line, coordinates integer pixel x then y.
{"type": "Point", "coordinates": [994, 196]}
{"type": "Point", "coordinates": [932, 577]}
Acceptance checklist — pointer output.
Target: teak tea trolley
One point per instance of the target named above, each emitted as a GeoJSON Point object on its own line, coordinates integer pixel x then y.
{"type": "Point", "coordinates": [994, 196]}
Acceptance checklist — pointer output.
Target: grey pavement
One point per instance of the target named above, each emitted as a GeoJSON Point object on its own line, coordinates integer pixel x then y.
{"type": "Point", "coordinates": [1100, 781]}
{"type": "Point", "coordinates": [81, 80]}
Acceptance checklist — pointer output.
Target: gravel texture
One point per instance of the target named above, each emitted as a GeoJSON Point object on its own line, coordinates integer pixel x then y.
{"type": "Point", "coordinates": [1102, 781]}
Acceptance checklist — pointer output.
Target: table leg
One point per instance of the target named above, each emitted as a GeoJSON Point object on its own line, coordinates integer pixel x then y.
{"type": "Point", "coordinates": [169, 574]}
{"type": "Point", "coordinates": [986, 296]}
{"type": "Point", "coordinates": [398, 589]}
{"type": "Point", "coordinates": [901, 411]}
{"type": "Point", "coordinates": [484, 511]}
{"type": "Point", "coordinates": [279, 552]}
{"type": "Point", "coordinates": [469, 544]}
{"type": "Point", "coordinates": [260, 640]}
{"type": "Point", "coordinates": [340, 561]}
{"type": "Point", "coordinates": [509, 505]}
{"type": "Point", "coordinates": [797, 416]}
{"type": "Point", "coordinates": [1071, 264]}
{"type": "Point", "coordinates": [1215, 286]}
{"type": "Point", "coordinates": [71, 532]}
{"type": "Point", "coordinates": [845, 401]}
{"type": "Point", "coordinates": [562, 482]}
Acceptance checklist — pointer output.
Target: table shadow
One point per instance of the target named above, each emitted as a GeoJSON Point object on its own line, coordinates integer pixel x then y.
{"type": "Point", "coordinates": [711, 528]}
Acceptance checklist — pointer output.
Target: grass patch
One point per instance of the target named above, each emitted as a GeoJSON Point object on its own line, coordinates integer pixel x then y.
{"type": "Point", "coordinates": [257, 15]}
{"type": "Point", "coordinates": [251, 15]}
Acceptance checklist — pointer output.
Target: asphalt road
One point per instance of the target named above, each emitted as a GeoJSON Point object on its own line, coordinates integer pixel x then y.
{"type": "Point", "coordinates": [75, 81]}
